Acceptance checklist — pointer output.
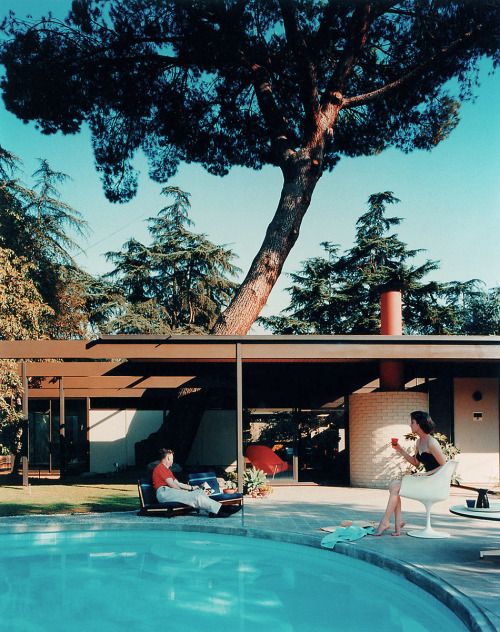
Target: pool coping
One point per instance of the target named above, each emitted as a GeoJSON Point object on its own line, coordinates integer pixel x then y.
{"type": "Point", "coordinates": [469, 612]}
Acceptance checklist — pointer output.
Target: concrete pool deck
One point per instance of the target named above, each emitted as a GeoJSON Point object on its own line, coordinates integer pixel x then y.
{"type": "Point", "coordinates": [302, 510]}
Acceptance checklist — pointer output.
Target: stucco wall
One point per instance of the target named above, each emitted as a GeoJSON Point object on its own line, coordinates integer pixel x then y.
{"type": "Point", "coordinates": [113, 435]}
{"type": "Point", "coordinates": [373, 419]}
{"type": "Point", "coordinates": [477, 437]}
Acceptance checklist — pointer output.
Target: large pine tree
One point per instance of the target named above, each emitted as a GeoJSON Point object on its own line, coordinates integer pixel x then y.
{"type": "Point", "coordinates": [292, 83]}
{"type": "Point", "coordinates": [37, 225]}
{"type": "Point", "coordinates": [179, 283]}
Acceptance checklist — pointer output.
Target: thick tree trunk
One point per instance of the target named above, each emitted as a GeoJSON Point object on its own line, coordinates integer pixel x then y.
{"type": "Point", "coordinates": [301, 175]}
{"type": "Point", "coordinates": [300, 179]}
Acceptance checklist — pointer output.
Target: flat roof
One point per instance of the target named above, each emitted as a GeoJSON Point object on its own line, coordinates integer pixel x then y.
{"type": "Point", "coordinates": [127, 366]}
{"type": "Point", "coordinates": [258, 348]}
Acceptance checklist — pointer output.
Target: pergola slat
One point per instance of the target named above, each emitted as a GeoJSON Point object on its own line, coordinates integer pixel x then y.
{"type": "Point", "coordinates": [117, 382]}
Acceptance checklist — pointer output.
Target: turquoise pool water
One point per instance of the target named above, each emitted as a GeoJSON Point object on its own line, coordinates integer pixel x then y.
{"type": "Point", "coordinates": [136, 581]}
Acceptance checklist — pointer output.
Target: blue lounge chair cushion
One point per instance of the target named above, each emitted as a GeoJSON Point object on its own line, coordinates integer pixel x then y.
{"type": "Point", "coordinates": [150, 500]}
{"type": "Point", "coordinates": [209, 477]}
{"type": "Point", "coordinates": [205, 477]}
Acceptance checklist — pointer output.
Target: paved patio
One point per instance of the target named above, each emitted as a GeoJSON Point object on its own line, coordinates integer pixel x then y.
{"type": "Point", "coordinates": [303, 510]}
{"type": "Point", "coordinates": [455, 560]}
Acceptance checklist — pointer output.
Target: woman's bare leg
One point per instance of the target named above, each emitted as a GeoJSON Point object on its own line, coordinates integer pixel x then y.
{"type": "Point", "coordinates": [399, 523]}
{"type": "Point", "coordinates": [392, 504]}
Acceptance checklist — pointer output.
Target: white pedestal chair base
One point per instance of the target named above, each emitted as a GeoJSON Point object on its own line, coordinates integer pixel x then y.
{"type": "Point", "coordinates": [428, 533]}
{"type": "Point", "coordinates": [429, 490]}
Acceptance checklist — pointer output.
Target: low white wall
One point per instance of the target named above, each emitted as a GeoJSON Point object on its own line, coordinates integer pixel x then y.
{"type": "Point", "coordinates": [374, 418]}
{"type": "Point", "coordinates": [477, 436]}
{"type": "Point", "coordinates": [113, 435]}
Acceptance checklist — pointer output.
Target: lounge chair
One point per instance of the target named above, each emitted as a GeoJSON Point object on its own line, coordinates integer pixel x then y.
{"type": "Point", "coordinates": [263, 458]}
{"type": "Point", "coordinates": [429, 490]}
{"type": "Point", "coordinates": [209, 477]}
{"type": "Point", "coordinates": [150, 505]}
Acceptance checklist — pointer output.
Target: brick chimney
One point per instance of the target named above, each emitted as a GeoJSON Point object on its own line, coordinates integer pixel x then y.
{"type": "Point", "coordinates": [391, 324]}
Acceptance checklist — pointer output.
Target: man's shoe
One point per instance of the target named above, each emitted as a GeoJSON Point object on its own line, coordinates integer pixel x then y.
{"type": "Point", "coordinates": [220, 514]}
{"type": "Point", "coordinates": [232, 509]}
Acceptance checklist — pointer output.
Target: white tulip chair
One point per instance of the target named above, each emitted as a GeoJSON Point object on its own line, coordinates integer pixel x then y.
{"type": "Point", "coordinates": [429, 490]}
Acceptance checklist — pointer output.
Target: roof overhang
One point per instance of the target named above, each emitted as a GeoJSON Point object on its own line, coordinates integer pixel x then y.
{"type": "Point", "coordinates": [142, 366]}
{"type": "Point", "coordinates": [259, 348]}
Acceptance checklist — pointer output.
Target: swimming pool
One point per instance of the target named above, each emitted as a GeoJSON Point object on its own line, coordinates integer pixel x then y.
{"type": "Point", "coordinates": [137, 580]}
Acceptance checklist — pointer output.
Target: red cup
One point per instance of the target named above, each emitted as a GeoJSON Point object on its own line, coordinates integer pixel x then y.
{"type": "Point", "coordinates": [394, 441]}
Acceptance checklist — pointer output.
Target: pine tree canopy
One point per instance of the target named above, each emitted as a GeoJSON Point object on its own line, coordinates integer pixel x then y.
{"type": "Point", "coordinates": [292, 83]}
{"type": "Point", "coordinates": [244, 82]}
{"type": "Point", "coordinates": [178, 283]}
{"type": "Point", "coordinates": [35, 225]}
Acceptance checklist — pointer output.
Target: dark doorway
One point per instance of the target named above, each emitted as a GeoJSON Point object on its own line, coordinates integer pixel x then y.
{"type": "Point", "coordinates": [44, 444]}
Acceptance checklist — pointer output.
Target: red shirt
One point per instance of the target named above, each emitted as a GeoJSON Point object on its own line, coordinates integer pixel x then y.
{"type": "Point", "coordinates": [160, 475]}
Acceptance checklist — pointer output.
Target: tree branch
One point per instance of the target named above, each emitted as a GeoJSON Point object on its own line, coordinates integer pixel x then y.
{"type": "Point", "coordinates": [280, 133]}
{"type": "Point", "coordinates": [368, 97]}
{"type": "Point", "coordinates": [93, 43]}
{"type": "Point", "coordinates": [332, 12]}
{"type": "Point", "coordinates": [307, 79]}
{"type": "Point", "coordinates": [355, 41]}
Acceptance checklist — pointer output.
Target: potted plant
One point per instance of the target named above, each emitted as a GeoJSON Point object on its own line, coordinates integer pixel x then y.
{"type": "Point", "coordinates": [229, 487]}
{"type": "Point", "coordinates": [253, 480]}
{"type": "Point", "coordinates": [265, 490]}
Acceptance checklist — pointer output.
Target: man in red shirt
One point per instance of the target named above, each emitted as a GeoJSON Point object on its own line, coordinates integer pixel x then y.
{"type": "Point", "coordinates": [169, 489]}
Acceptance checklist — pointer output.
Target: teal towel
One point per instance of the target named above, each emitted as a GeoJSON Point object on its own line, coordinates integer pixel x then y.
{"type": "Point", "coordinates": [344, 534]}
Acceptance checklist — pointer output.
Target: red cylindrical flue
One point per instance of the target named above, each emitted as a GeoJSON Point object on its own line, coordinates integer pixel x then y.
{"type": "Point", "coordinates": [391, 313]}
{"type": "Point", "coordinates": [391, 324]}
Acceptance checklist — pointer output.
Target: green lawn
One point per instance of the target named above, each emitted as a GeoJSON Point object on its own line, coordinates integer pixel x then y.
{"type": "Point", "coordinates": [54, 497]}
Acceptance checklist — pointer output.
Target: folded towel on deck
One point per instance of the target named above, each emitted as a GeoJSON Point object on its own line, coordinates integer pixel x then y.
{"type": "Point", "coordinates": [345, 534]}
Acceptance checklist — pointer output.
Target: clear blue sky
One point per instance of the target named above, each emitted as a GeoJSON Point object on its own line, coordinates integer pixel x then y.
{"type": "Point", "coordinates": [450, 197]}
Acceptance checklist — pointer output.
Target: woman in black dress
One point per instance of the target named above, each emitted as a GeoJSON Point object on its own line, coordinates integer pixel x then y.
{"type": "Point", "coordinates": [427, 453]}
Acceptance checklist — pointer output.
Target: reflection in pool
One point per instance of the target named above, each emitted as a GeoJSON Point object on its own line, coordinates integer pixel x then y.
{"type": "Point", "coordinates": [136, 581]}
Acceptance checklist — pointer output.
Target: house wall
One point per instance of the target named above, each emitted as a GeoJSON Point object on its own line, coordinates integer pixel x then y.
{"type": "Point", "coordinates": [114, 433]}
{"type": "Point", "coordinates": [373, 419]}
{"type": "Point", "coordinates": [477, 436]}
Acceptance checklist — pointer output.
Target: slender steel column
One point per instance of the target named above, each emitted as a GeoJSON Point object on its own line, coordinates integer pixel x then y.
{"type": "Point", "coordinates": [25, 425]}
{"type": "Point", "coordinates": [24, 375]}
{"type": "Point", "coordinates": [240, 462]}
{"type": "Point", "coordinates": [62, 430]}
